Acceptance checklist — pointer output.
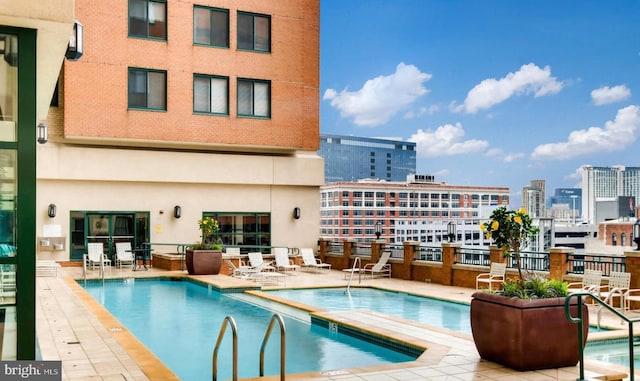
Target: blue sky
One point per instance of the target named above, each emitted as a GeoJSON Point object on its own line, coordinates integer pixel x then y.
{"type": "Point", "coordinates": [494, 93]}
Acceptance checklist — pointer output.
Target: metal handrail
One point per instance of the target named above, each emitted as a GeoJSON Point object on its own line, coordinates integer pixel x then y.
{"type": "Point", "coordinates": [356, 261]}
{"type": "Point", "coordinates": [580, 323]}
{"type": "Point", "coordinates": [214, 358]}
{"type": "Point", "coordinates": [283, 346]}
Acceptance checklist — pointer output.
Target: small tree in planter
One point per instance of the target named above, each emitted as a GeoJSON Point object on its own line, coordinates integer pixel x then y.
{"type": "Point", "coordinates": [516, 326]}
{"type": "Point", "coordinates": [205, 257]}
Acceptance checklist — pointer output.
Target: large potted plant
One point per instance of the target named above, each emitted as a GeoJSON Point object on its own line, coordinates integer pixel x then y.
{"type": "Point", "coordinates": [524, 325]}
{"type": "Point", "coordinates": [205, 257]}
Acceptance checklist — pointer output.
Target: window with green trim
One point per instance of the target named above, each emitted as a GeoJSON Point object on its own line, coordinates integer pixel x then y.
{"type": "Point", "coordinates": [254, 98]}
{"type": "Point", "coordinates": [254, 32]}
{"type": "Point", "coordinates": [210, 26]}
{"type": "Point", "coordinates": [148, 19]}
{"type": "Point", "coordinates": [210, 94]}
{"type": "Point", "coordinates": [250, 230]}
{"type": "Point", "coordinates": [147, 89]}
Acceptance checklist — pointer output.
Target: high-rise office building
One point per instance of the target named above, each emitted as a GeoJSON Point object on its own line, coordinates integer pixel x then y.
{"type": "Point", "coordinates": [533, 198]}
{"type": "Point", "coordinates": [572, 198]}
{"type": "Point", "coordinates": [351, 158]}
{"type": "Point", "coordinates": [607, 183]}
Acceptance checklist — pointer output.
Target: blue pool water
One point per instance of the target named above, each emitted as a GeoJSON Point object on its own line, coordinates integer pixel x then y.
{"type": "Point", "coordinates": [438, 313]}
{"type": "Point", "coordinates": [179, 322]}
{"type": "Point", "coordinates": [613, 352]}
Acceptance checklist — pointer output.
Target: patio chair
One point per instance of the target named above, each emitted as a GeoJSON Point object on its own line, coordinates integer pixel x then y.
{"type": "Point", "coordinates": [617, 288]}
{"type": "Point", "coordinates": [310, 262]}
{"type": "Point", "coordinates": [46, 267]}
{"type": "Point", "coordinates": [380, 268]}
{"type": "Point", "coordinates": [496, 275]}
{"type": "Point", "coordinates": [591, 280]}
{"type": "Point", "coordinates": [282, 260]}
{"type": "Point", "coordinates": [96, 255]}
{"type": "Point", "coordinates": [242, 271]}
{"type": "Point", "coordinates": [124, 255]}
{"type": "Point", "coordinates": [256, 260]}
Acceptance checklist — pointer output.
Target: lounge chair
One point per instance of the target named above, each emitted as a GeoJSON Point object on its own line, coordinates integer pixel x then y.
{"type": "Point", "coordinates": [242, 271]}
{"type": "Point", "coordinates": [124, 255]}
{"type": "Point", "coordinates": [591, 280]}
{"type": "Point", "coordinates": [96, 256]}
{"type": "Point", "coordinates": [283, 263]}
{"type": "Point", "coordinates": [234, 251]}
{"type": "Point", "coordinates": [46, 267]}
{"type": "Point", "coordinates": [256, 260]}
{"type": "Point", "coordinates": [380, 268]}
{"type": "Point", "coordinates": [310, 262]}
{"type": "Point", "coordinates": [617, 288]}
{"type": "Point", "coordinates": [496, 275]}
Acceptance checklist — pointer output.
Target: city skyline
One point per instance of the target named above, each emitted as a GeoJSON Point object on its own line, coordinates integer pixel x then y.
{"type": "Point", "coordinates": [493, 94]}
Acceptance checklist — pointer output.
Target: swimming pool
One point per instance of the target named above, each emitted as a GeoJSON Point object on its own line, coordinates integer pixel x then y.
{"type": "Point", "coordinates": [434, 312]}
{"type": "Point", "coordinates": [613, 351]}
{"type": "Point", "coordinates": [179, 322]}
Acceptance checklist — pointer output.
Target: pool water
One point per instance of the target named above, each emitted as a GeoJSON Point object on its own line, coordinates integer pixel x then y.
{"type": "Point", "coordinates": [179, 322]}
{"type": "Point", "coordinates": [613, 352]}
{"type": "Point", "coordinates": [434, 312]}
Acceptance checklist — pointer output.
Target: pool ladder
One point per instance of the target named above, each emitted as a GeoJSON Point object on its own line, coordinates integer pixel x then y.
{"type": "Point", "coordinates": [356, 263]}
{"type": "Point", "coordinates": [234, 330]}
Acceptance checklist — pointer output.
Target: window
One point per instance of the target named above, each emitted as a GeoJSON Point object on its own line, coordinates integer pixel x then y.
{"type": "Point", "coordinates": [148, 18]}
{"type": "Point", "coordinates": [254, 32]}
{"type": "Point", "coordinates": [147, 89]}
{"type": "Point", "coordinates": [251, 229]}
{"type": "Point", "coordinates": [211, 26]}
{"type": "Point", "coordinates": [254, 98]}
{"type": "Point", "coordinates": [210, 94]}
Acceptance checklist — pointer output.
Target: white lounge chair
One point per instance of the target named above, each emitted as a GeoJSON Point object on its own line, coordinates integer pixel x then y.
{"type": "Point", "coordinates": [7, 285]}
{"type": "Point", "coordinates": [496, 275]}
{"type": "Point", "coordinates": [46, 267]}
{"type": "Point", "coordinates": [243, 271]}
{"type": "Point", "coordinates": [256, 260]}
{"type": "Point", "coordinates": [96, 255]}
{"type": "Point", "coordinates": [617, 288]}
{"type": "Point", "coordinates": [124, 255]}
{"type": "Point", "coordinates": [380, 268]}
{"type": "Point", "coordinates": [233, 251]}
{"type": "Point", "coordinates": [591, 280]}
{"type": "Point", "coordinates": [310, 262]}
{"type": "Point", "coordinates": [283, 263]}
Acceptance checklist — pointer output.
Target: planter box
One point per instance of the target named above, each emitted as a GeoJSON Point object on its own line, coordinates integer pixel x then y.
{"type": "Point", "coordinates": [203, 262]}
{"type": "Point", "coordinates": [526, 334]}
{"type": "Point", "coordinates": [171, 262]}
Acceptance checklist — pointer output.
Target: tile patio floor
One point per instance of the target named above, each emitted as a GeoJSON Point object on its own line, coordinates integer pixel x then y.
{"type": "Point", "coordinates": [74, 328]}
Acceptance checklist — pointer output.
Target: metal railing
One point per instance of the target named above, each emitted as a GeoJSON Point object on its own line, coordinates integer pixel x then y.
{"type": "Point", "coordinates": [214, 358]}
{"type": "Point", "coordinates": [362, 250]}
{"type": "Point", "coordinates": [580, 322]}
{"type": "Point", "coordinates": [478, 257]}
{"type": "Point", "coordinates": [429, 253]}
{"type": "Point", "coordinates": [335, 247]}
{"type": "Point", "coordinates": [283, 347]}
{"type": "Point", "coordinates": [530, 260]}
{"type": "Point", "coordinates": [601, 262]}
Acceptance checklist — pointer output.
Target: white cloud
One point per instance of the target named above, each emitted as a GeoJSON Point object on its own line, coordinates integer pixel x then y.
{"type": "Point", "coordinates": [423, 110]}
{"type": "Point", "coordinates": [512, 157]}
{"type": "Point", "coordinates": [606, 94]}
{"type": "Point", "coordinates": [494, 152]}
{"type": "Point", "coordinates": [529, 79]}
{"type": "Point", "coordinates": [616, 135]}
{"type": "Point", "coordinates": [445, 140]}
{"type": "Point", "coordinates": [380, 98]}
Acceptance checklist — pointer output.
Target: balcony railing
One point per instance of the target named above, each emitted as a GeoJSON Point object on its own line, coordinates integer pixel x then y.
{"type": "Point", "coordinates": [602, 262]}
{"type": "Point", "coordinates": [429, 253]}
{"type": "Point", "coordinates": [478, 257]}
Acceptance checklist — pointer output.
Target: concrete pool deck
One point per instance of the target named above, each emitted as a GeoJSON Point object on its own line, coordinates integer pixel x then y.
{"type": "Point", "coordinates": [74, 328]}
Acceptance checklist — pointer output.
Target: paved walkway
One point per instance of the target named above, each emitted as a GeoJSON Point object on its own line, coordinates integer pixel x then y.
{"type": "Point", "coordinates": [93, 345]}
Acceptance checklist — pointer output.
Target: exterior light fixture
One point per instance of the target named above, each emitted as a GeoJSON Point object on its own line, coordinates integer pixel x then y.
{"type": "Point", "coordinates": [296, 213]}
{"type": "Point", "coordinates": [378, 229]}
{"type": "Point", "coordinates": [177, 211]}
{"type": "Point", "coordinates": [74, 49]}
{"type": "Point", "coordinates": [9, 50]}
{"type": "Point", "coordinates": [43, 133]}
{"type": "Point", "coordinates": [51, 210]}
{"type": "Point", "coordinates": [636, 233]}
{"type": "Point", "coordinates": [451, 231]}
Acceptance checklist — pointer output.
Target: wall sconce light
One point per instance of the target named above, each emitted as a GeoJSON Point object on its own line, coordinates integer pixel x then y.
{"type": "Point", "coordinates": [10, 50]}
{"type": "Point", "coordinates": [51, 210]}
{"type": "Point", "coordinates": [177, 211]}
{"type": "Point", "coordinates": [74, 49]}
{"type": "Point", "coordinates": [43, 133]}
{"type": "Point", "coordinates": [296, 213]}
{"type": "Point", "coordinates": [451, 231]}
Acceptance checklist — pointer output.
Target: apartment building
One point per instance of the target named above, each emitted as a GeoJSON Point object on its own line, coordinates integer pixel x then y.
{"type": "Point", "coordinates": [181, 109]}
{"type": "Point", "coordinates": [351, 158]}
{"type": "Point", "coordinates": [416, 210]}
{"type": "Point", "coordinates": [606, 184]}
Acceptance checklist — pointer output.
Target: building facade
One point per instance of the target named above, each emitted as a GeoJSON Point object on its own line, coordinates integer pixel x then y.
{"type": "Point", "coordinates": [566, 204]}
{"type": "Point", "coordinates": [602, 183]}
{"type": "Point", "coordinates": [534, 198]}
{"type": "Point", "coordinates": [351, 158]}
{"type": "Point", "coordinates": [179, 110]}
{"type": "Point", "coordinates": [418, 211]}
